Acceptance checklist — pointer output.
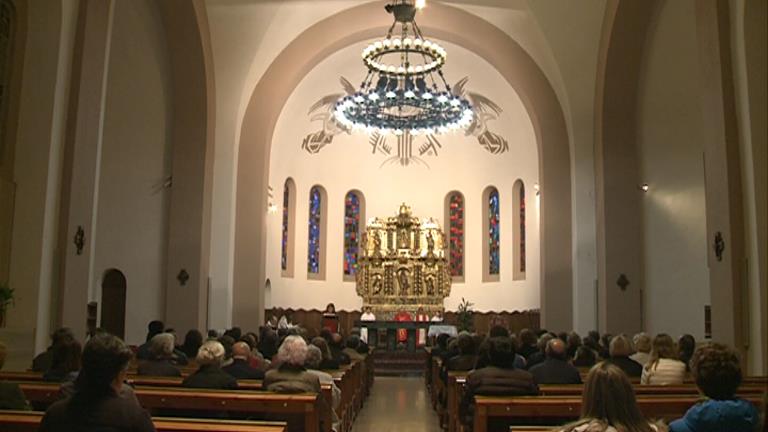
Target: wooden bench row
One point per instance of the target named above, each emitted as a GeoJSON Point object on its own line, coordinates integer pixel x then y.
{"type": "Point", "coordinates": [446, 397]}
{"type": "Point", "coordinates": [29, 421]}
{"type": "Point", "coordinates": [166, 393]}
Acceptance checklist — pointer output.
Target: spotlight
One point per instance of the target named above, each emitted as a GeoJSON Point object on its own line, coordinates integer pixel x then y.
{"type": "Point", "coordinates": [643, 187]}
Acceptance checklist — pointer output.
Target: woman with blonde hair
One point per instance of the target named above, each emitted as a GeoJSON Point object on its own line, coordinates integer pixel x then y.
{"type": "Point", "coordinates": [608, 404]}
{"type": "Point", "coordinates": [663, 368]}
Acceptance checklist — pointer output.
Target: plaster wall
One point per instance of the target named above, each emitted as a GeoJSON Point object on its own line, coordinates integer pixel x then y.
{"type": "Point", "coordinates": [348, 163]}
{"type": "Point", "coordinates": [671, 162]}
{"type": "Point", "coordinates": [135, 163]}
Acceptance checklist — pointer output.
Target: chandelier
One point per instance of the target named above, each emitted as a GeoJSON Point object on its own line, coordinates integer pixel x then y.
{"type": "Point", "coordinates": [405, 91]}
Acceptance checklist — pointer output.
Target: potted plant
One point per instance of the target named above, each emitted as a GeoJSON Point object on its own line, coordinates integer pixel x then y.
{"type": "Point", "coordinates": [6, 299]}
{"type": "Point", "coordinates": [465, 321]}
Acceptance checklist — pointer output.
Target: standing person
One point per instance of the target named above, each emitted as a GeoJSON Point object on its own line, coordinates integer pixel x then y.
{"type": "Point", "coordinates": [664, 367]}
{"type": "Point", "coordinates": [96, 403]}
{"type": "Point", "coordinates": [717, 371]}
{"type": "Point", "coordinates": [366, 316]}
{"type": "Point", "coordinates": [421, 333]}
{"type": "Point", "coordinates": [438, 317]}
{"type": "Point", "coordinates": [608, 404]}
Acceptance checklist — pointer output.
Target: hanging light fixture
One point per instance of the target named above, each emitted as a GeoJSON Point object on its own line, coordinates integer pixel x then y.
{"type": "Point", "coordinates": [405, 91]}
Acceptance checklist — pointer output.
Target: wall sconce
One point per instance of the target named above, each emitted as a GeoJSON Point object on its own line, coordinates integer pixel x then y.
{"type": "Point", "coordinates": [643, 187]}
{"type": "Point", "coordinates": [271, 208]}
{"type": "Point", "coordinates": [537, 188]}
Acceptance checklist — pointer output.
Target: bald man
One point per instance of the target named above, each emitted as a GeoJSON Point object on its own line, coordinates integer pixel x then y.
{"type": "Point", "coordinates": [240, 367]}
{"type": "Point", "coordinates": [556, 369]}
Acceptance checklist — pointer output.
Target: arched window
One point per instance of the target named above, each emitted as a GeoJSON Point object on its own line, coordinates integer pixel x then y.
{"type": "Point", "coordinates": [316, 240]}
{"type": "Point", "coordinates": [354, 214]}
{"type": "Point", "coordinates": [288, 222]}
{"type": "Point", "coordinates": [518, 220]}
{"type": "Point", "coordinates": [492, 235]}
{"type": "Point", "coordinates": [454, 224]}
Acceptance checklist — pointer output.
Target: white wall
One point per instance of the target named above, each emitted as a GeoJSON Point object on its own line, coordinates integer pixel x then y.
{"type": "Point", "coordinates": [348, 164]}
{"type": "Point", "coordinates": [131, 231]}
{"type": "Point", "coordinates": [674, 220]}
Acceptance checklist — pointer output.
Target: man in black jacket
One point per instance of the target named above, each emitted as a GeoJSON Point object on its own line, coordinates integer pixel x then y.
{"type": "Point", "coordinates": [240, 368]}
{"type": "Point", "coordinates": [500, 378]}
{"type": "Point", "coordinates": [556, 369]}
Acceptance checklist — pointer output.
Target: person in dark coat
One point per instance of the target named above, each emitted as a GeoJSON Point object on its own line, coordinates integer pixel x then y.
{"type": "Point", "coordinates": [500, 378]}
{"type": "Point", "coordinates": [42, 362]}
{"type": "Point", "coordinates": [328, 362]}
{"type": "Point", "coordinates": [96, 403]}
{"type": "Point", "coordinates": [556, 369]}
{"type": "Point", "coordinates": [540, 355]}
{"type": "Point", "coordinates": [620, 350]}
{"type": "Point", "coordinates": [467, 355]}
{"type": "Point", "coordinates": [192, 342]}
{"type": "Point", "coordinates": [209, 375]}
{"type": "Point", "coordinates": [240, 368]}
{"type": "Point", "coordinates": [153, 328]}
{"type": "Point", "coordinates": [161, 363]}
{"type": "Point", "coordinates": [66, 362]}
{"type": "Point", "coordinates": [11, 396]}
{"type": "Point", "coordinates": [527, 343]}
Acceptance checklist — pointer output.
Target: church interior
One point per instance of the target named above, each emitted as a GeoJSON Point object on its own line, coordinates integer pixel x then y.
{"type": "Point", "coordinates": [384, 171]}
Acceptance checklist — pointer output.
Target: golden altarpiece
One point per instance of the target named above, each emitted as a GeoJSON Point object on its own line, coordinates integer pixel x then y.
{"type": "Point", "coordinates": [402, 265]}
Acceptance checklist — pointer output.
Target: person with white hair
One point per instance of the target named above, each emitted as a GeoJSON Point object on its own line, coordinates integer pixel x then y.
{"type": "Point", "coordinates": [209, 374]}
{"type": "Point", "coordinates": [291, 376]}
{"type": "Point", "coordinates": [161, 357]}
{"type": "Point", "coordinates": [314, 359]}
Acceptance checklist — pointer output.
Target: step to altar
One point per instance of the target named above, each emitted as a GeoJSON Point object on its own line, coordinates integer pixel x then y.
{"type": "Point", "coordinates": [399, 362]}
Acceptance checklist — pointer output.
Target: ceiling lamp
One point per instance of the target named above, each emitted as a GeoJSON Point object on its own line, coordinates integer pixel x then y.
{"type": "Point", "coordinates": [405, 91]}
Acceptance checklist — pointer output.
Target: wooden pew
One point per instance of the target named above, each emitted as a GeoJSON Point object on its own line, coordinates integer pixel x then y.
{"type": "Point", "coordinates": [29, 421]}
{"type": "Point", "coordinates": [246, 402]}
{"type": "Point", "coordinates": [566, 408]}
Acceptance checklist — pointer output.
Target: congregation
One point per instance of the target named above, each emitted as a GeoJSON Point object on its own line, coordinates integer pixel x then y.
{"type": "Point", "coordinates": [96, 392]}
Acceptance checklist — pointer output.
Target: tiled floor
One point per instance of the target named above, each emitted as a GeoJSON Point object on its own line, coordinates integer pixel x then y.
{"type": "Point", "coordinates": [397, 404]}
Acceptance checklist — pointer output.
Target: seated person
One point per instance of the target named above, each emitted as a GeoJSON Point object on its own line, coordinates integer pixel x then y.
{"type": "Point", "coordinates": [438, 317]}
{"type": "Point", "coordinates": [328, 362]}
{"type": "Point", "coordinates": [540, 355]}
{"type": "Point", "coordinates": [65, 363]}
{"type": "Point", "coordinates": [642, 344]}
{"type": "Point", "coordinates": [312, 363]}
{"type": "Point", "coordinates": [686, 345]}
{"type": "Point", "coordinates": [209, 375]}
{"type": "Point", "coordinates": [367, 314]}
{"type": "Point", "coordinates": [499, 331]}
{"type": "Point", "coordinates": [585, 357]}
{"type": "Point", "coordinates": [353, 343]}
{"type": "Point", "coordinates": [11, 396]}
{"type": "Point", "coordinates": [241, 363]}
{"type": "Point", "coordinates": [527, 343]}
{"type": "Point", "coordinates": [96, 403]}
{"type": "Point", "coordinates": [717, 372]}
{"type": "Point", "coordinates": [161, 361]}
{"type": "Point", "coordinates": [153, 328]}
{"type": "Point", "coordinates": [337, 349]}
{"type": "Point", "coordinates": [42, 362]}
{"type": "Point", "coordinates": [556, 369]}
{"type": "Point", "coordinates": [268, 343]}
{"type": "Point", "coordinates": [192, 341]}
{"type": "Point", "coordinates": [608, 404]}
{"type": "Point", "coordinates": [619, 355]}
{"type": "Point", "coordinates": [498, 379]}
{"type": "Point", "coordinates": [467, 357]}
{"type": "Point", "coordinates": [291, 376]}
{"type": "Point", "coordinates": [663, 368]}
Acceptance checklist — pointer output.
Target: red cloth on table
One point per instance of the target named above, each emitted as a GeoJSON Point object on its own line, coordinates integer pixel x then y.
{"type": "Point", "coordinates": [402, 334]}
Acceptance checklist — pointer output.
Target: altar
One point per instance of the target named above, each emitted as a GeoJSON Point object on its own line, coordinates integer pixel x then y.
{"type": "Point", "coordinates": [382, 335]}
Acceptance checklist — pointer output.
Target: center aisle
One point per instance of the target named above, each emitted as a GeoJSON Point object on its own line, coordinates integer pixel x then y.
{"type": "Point", "coordinates": [397, 404]}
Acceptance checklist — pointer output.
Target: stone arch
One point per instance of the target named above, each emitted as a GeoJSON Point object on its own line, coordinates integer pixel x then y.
{"type": "Point", "coordinates": [443, 22]}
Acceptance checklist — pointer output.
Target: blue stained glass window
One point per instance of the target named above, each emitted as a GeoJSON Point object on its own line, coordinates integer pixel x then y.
{"type": "Point", "coordinates": [315, 214]}
{"type": "Point", "coordinates": [284, 241]}
{"type": "Point", "coordinates": [351, 232]}
{"type": "Point", "coordinates": [456, 234]}
{"type": "Point", "coordinates": [494, 262]}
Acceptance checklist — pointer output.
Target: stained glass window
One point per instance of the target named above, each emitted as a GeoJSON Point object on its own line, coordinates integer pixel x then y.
{"type": "Point", "coordinates": [286, 218]}
{"type": "Point", "coordinates": [315, 215]}
{"type": "Point", "coordinates": [522, 228]}
{"type": "Point", "coordinates": [351, 232]}
{"type": "Point", "coordinates": [494, 262]}
{"type": "Point", "coordinates": [456, 233]}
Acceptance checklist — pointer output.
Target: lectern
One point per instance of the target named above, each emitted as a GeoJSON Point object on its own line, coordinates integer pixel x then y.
{"type": "Point", "coordinates": [331, 322]}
